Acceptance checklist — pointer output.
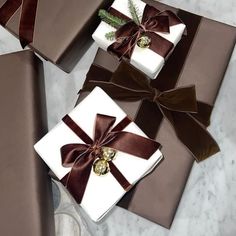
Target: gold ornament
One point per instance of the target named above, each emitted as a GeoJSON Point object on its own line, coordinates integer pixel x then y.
{"type": "Point", "coordinates": [108, 154]}
{"type": "Point", "coordinates": [101, 166]}
{"type": "Point", "coordinates": [144, 42]}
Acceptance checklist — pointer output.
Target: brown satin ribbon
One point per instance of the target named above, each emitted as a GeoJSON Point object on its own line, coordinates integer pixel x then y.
{"type": "Point", "coordinates": [179, 106]}
{"type": "Point", "coordinates": [152, 21]}
{"type": "Point", "coordinates": [27, 19]}
{"type": "Point", "coordinates": [81, 156]}
{"type": "Point", "coordinates": [167, 79]}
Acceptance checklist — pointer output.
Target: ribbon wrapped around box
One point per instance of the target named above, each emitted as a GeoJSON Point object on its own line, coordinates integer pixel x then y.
{"type": "Point", "coordinates": [201, 59]}
{"type": "Point", "coordinates": [98, 171]}
{"type": "Point", "coordinates": [57, 30]}
{"type": "Point", "coordinates": [147, 43]}
{"type": "Point", "coordinates": [26, 201]}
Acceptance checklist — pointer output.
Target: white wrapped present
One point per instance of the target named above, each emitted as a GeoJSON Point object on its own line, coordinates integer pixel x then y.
{"type": "Point", "coordinates": [98, 168]}
{"type": "Point", "coordinates": [157, 42]}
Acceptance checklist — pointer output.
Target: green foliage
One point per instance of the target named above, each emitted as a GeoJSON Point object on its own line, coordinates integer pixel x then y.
{"type": "Point", "coordinates": [117, 22]}
{"type": "Point", "coordinates": [110, 35]}
{"type": "Point", "coordinates": [134, 11]}
{"type": "Point", "coordinates": [110, 19]}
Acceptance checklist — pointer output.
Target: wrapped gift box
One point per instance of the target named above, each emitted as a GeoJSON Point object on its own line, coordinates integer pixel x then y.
{"type": "Point", "coordinates": [200, 59]}
{"type": "Point", "coordinates": [101, 192]}
{"type": "Point", "coordinates": [63, 29]}
{"type": "Point", "coordinates": [26, 198]}
{"type": "Point", "coordinates": [149, 60]}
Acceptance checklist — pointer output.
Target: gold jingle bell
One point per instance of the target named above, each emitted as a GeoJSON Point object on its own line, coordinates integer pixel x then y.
{"type": "Point", "coordinates": [108, 154]}
{"type": "Point", "coordinates": [101, 166]}
{"type": "Point", "coordinates": [144, 42]}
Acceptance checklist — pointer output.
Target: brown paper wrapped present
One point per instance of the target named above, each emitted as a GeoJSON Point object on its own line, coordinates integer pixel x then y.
{"type": "Point", "coordinates": [26, 197]}
{"type": "Point", "coordinates": [60, 30]}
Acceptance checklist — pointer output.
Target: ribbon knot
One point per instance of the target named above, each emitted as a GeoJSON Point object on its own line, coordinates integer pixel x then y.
{"type": "Point", "coordinates": [95, 150]}
{"type": "Point", "coordinates": [142, 28]}
{"type": "Point", "coordinates": [179, 106]}
{"type": "Point", "coordinates": [156, 94]}
{"type": "Point", "coordinates": [81, 156]}
{"type": "Point", "coordinates": [152, 22]}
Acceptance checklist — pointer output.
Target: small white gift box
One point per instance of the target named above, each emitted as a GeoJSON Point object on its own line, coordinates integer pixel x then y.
{"type": "Point", "coordinates": [148, 60]}
{"type": "Point", "coordinates": [101, 192]}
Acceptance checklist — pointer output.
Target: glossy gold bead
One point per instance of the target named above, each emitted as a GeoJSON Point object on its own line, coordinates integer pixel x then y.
{"type": "Point", "coordinates": [101, 166]}
{"type": "Point", "coordinates": [144, 42]}
{"type": "Point", "coordinates": [108, 154]}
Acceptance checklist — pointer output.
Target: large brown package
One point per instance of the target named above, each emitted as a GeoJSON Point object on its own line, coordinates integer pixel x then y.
{"type": "Point", "coordinates": [200, 59]}
{"type": "Point", "coordinates": [26, 206]}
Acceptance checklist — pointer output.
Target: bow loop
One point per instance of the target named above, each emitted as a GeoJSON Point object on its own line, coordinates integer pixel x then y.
{"type": "Point", "coordinates": [70, 152]}
{"type": "Point", "coordinates": [157, 24]}
{"type": "Point", "coordinates": [127, 35]}
{"type": "Point", "coordinates": [180, 99]}
{"type": "Point", "coordinates": [127, 30]}
{"type": "Point", "coordinates": [149, 12]}
{"type": "Point", "coordinates": [179, 106]}
{"type": "Point", "coordinates": [128, 77]}
{"type": "Point", "coordinates": [102, 126]}
{"type": "Point", "coordinates": [81, 157]}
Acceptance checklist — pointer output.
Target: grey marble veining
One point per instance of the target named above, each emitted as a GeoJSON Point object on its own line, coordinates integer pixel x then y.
{"type": "Point", "coordinates": [208, 205]}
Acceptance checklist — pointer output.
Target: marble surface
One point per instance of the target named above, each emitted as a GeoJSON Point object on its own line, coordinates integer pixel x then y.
{"type": "Point", "coordinates": [208, 205]}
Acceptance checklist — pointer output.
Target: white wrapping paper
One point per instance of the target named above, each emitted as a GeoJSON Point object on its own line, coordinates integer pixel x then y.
{"type": "Point", "coordinates": [145, 60]}
{"type": "Point", "coordinates": [102, 192]}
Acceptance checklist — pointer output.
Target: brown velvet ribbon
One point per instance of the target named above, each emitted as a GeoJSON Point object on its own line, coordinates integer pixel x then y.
{"type": "Point", "coordinates": [179, 106]}
{"type": "Point", "coordinates": [81, 156]}
{"type": "Point", "coordinates": [27, 19]}
{"type": "Point", "coordinates": [153, 21]}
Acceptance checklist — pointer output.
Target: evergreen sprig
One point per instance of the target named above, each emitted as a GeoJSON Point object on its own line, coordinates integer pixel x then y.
{"type": "Point", "coordinates": [117, 22]}
{"type": "Point", "coordinates": [134, 11]}
{"type": "Point", "coordinates": [110, 35]}
{"type": "Point", "coordinates": [110, 19]}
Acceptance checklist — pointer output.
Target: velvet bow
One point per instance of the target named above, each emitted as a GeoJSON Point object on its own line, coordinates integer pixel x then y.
{"type": "Point", "coordinates": [153, 21]}
{"type": "Point", "coordinates": [27, 18]}
{"type": "Point", "coordinates": [81, 156]}
{"type": "Point", "coordinates": [179, 106]}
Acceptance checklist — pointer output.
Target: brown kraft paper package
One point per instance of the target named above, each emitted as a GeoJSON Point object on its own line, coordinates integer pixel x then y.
{"type": "Point", "coordinates": [26, 206]}
{"type": "Point", "coordinates": [201, 59]}
{"type": "Point", "coordinates": [63, 29]}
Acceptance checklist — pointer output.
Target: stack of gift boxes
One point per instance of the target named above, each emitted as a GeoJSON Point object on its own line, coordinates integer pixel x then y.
{"type": "Point", "coordinates": [141, 116]}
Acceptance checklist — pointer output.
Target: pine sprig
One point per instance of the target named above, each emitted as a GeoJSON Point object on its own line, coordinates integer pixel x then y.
{"type": "Point", "coordinates": [134, 11]}
{"type": "Point", "coordinates": [110, 35]}
{"type": "Point", "coordinates": [110, 19]}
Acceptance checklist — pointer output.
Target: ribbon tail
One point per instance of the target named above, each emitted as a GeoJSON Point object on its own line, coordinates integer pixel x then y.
{"type": "Point", "coordinates": [77, 179]}
{"type": "Point", "coordinates": [203, 114]}
{"type": "Point", "coordinates": [119, 177]}
{"type": "Point", "coordinates": [122, 49]}
{"type": "Point", "coordinates": [27, 22]}
{"type": "Point", "coordinates": [8, 9]}
{"type": "Point", "coordinates": [160, 45]}
{"type": "Point", "coordinates": [192, 134]}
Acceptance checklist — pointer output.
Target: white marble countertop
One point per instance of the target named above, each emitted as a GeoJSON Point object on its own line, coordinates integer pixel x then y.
{"type": "Point", "coordinates": [208, 205]}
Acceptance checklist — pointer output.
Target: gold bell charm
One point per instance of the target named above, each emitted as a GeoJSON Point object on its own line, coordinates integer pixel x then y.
{"type": "Point", "coordinates": [100, 167]}
{"type": "Point", "coordinates": [108, 154]}
{"type": "Point", "coordinates": [144, 42]}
